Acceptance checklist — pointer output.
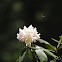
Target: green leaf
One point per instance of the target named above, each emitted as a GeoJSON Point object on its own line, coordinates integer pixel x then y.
{"type": "Point", "coordinates": [46, 51]}
{"type": "Point", "coordinates": [50, 53]}
{"type": "Point", "coordinates": [55, 40]}
{"type": "Point", "coordinates": [50, 47]}
{"type": "Point", "coordinates": [43, 41]}
{"type": "Point", "coordinates": [58, 44]}
{"type": "Point", "coordinates": [21, 57]}
{"type": "Point", "coordinates": [60, 47]}
{"type": "Point", "coordinates": [41, 55]}
{"type": "Point", "coordinates": [60, 37]}
{"type": "Point", "coordinates": [30, 54]}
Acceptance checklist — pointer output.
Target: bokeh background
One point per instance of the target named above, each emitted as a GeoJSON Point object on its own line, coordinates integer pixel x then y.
{"type": "Point", "coordinates": [14, 14]}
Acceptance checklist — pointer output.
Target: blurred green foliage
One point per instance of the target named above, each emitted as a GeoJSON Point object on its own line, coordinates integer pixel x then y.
{"type": "Point", "coordinates": [14, 14]}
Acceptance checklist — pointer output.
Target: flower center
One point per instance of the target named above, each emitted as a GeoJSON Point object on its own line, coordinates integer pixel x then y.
{"type": "Point", "coordinates": [28, 40]}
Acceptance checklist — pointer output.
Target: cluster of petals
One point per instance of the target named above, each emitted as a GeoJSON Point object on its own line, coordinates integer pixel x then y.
{"type": "Point", "coordinates": [27, 35]}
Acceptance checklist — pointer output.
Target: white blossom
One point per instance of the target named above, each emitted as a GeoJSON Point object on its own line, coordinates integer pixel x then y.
{"type": "Point", "coordinates": [28, 35]}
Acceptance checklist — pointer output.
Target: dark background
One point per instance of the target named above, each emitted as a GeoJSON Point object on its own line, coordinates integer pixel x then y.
{"type": "Point", "coordinates": [14, 14]}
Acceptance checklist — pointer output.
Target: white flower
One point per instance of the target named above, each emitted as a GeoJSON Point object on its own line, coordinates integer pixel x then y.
{"type": "Point", "coordinates": [28, 35]}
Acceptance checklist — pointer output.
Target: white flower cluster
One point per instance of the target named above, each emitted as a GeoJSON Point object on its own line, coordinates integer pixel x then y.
{"type": "Point", "coordinates": [28, 35]}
